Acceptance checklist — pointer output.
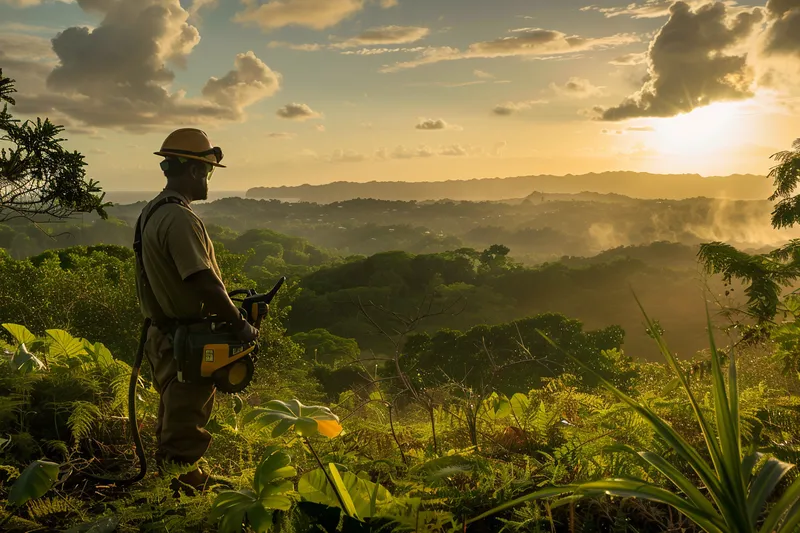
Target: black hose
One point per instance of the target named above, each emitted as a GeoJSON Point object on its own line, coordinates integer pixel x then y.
{"type": "Point", "coordinates": [134, 427]}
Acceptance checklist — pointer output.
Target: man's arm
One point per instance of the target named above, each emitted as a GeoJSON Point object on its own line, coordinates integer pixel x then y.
{"type": "Point", "coordinates": [213, 295]}
{"type": "Point", "coordinates": [217, 302]}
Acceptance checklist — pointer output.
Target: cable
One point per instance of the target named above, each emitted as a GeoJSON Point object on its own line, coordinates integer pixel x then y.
{"type": "Point", "coordinates": [134, 427]}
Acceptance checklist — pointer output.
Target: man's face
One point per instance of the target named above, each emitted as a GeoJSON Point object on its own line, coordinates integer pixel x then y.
{"type": "Point", "coordinates": [200, 174]}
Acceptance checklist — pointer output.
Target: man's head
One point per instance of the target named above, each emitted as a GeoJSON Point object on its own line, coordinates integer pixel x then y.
{"type": "Point", "coordinates": [189, 162]}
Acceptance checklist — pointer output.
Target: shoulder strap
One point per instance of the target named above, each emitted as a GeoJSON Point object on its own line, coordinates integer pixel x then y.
{"type": "Point", "coordinates": [137, 247]}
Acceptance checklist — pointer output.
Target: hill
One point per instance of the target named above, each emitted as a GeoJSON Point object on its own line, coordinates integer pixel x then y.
{"type": "Point", "coordinates": [634, 184]}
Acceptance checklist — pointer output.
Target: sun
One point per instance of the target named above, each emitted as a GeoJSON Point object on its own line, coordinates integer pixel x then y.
{"type": "Point", "coordinates": [712, 128]}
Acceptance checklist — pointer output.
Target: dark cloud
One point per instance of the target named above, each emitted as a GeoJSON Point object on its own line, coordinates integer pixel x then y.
{"type": "Point", "coordinates": [295, 111]}
{"type": "Point", "coordinates": [688, 63]}
{"type": "Point", "coordinates": [782, 37]}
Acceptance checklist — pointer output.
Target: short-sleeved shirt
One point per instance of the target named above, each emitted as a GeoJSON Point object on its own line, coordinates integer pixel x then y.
{"type": "Point", "coordinates": [175, 245]}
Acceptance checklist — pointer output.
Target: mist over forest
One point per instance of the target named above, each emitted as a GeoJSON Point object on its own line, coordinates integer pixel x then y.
{"type": "Point", "coordinates": [581, 254]}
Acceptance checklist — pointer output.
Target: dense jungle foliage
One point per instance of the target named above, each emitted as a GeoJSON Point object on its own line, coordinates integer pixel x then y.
{"type": "Point", "coordinates": [408, 390]}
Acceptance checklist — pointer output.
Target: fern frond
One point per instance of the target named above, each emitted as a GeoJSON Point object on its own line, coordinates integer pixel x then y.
{"type": "Point", "coordinates": [83, 417]}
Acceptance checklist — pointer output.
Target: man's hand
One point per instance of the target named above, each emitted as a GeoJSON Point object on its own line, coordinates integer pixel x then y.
{"type": "Point", "coordinates": [246, 333]}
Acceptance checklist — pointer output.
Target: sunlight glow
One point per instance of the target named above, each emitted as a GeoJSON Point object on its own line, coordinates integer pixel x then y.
{"type": "Point", "coordinates": [712, 128]}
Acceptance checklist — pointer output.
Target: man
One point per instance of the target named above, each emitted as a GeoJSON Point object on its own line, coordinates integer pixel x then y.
{"type": "Point", "coordinates": [179, 281]}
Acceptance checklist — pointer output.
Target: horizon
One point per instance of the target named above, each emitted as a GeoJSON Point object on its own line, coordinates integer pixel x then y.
{"type": "Point", "coordinates": [319, 92]}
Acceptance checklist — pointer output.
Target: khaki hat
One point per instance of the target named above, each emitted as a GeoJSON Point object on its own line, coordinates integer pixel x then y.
{"type": "Point", "coordinates": [191, 143]}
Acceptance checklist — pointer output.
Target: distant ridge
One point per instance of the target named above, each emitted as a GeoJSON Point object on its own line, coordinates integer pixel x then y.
{"type": "Point", "coordinates": [633, 184]}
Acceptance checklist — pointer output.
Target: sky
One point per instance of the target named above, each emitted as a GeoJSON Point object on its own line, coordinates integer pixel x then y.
{"type": "Point", "coordinates": [315, 91]}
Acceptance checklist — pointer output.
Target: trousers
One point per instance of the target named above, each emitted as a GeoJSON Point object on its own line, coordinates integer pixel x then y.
{"type": "Point", "coordinates": [184, 408]}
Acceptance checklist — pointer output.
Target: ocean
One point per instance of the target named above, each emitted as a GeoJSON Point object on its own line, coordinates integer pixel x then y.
{"type": "Point", "coordinates": [131, 197]}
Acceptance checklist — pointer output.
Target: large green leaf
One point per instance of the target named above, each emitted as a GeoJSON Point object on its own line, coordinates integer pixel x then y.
{"type": "Point", "coordinates": [764, 483]}
{"type": "Point", "coordinates": [786, 502]}
{"type": "Point", "coordinates": [538, 495]}
{"type": "Point", "coordinates": [34, 482]}
{"type": "Point", "coordinates": [21, 334]}
{"type": "Point", "coordinates": [347, 500]}
{"type": "Point", "coordinates": [98, 353]}
{"type": "Point", "coordinates": [64, 346]}
{"type": "Point", "coordinates": [306, 420]}
{"type": "Point", "coordinates": [366, 497]}
{"type": "Point", "coordinates": [274, 468]}
{"type": "Point", "coordinates": [257, 505]}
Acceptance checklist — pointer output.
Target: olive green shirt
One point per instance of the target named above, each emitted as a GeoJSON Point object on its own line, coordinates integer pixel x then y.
{"type": "Point", "coordinates": [175, 245]}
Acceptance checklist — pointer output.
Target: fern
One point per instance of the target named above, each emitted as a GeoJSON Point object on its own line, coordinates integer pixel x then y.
{"type": "Point", "coordinates": [83, 417]}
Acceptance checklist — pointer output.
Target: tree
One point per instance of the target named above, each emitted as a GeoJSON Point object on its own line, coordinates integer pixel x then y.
{"type": "Point", "coordinates": [765, 274]}
{"type": "Point", "coordinates": [39, 179]}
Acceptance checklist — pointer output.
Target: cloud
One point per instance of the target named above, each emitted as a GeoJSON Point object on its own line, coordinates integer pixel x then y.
{"type": "Point", "coordinates": [647, 9]}
{"type": "Point", "coordinates": [249, 81]}
{"type": "Point", "coordinates": [483, 75]}
{"type": "Point", "coordinates": [782, 36]}
{"type": "Point", "coordinates": [197, 5]}
{"type": "Point", "coordinates": [386, 4]}
{"type": "Point", "coordinates": [31, 3]}
{"type": "Point", "coordinates": [498, 148]}
{"type": "Point", "coordinates": [630, 59]}
{"type": "Point", "coordinates": [378, 51]}
{"type": "Point", "coordinates": [296, 111]}
{"type": "Point", "coordinates": [320, 128]}
{"type": "Point", "coordinates": [688, 66]}
{"type": "Point", "coordinates": [117, 75]}
{"type": "Point", "coordinates": [611, 132]}
{"type": "Point", "coordinates": [310, 47]}
{"type": "Point", "coordinates": [577, 88]}
{"type": "Point", "coordinates": [424, 151]}
{"type": "Point", "coordinates": [429, 124]}
{"type": "Point", "coordinates": [347, 156]}
{"type": "Point", "coordinates": [454, 150]}
{"type": "Point", "coordinates": [641, 128]}
{"type": "Point", "coordinates": [530, 42]}
{"type": "Point", "coordinates": [401, 152]}
{"type": "Point", "coordinates": [281, 135]}
{"type": "Point", "coordinates": [385, 35]}
{"type": "Point", "coordinates": [315, 14]}
{"type": "Point", "coordinates": [509, 108]}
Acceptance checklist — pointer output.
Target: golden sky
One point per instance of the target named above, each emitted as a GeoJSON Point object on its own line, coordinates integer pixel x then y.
{"type": "Point", "coordinates": [313, 91]}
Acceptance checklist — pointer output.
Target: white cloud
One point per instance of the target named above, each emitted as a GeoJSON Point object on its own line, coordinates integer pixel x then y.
{"type": "Point", "coordinates": [310, 47]}
{"type": "Point", "coordinates": [647, 9]}
{"type": "Point", "coordinates": [378, 51]}
{"type": "Point", "coordinates": [630, 59]}
{"type": "Point", "coordinates": [483, 75]}
{"type": "Point", "coordinates": [316, 14]}
{"type": "Point", "coordinates": [385, 35]}
{"type": "Point", "coordinates": [295, 111]}
{"type": "Point", "coordinates": [530, 42]}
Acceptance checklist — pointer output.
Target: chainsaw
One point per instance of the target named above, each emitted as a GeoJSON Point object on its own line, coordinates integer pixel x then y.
{"type": "Point", "coordinates": [210, 352]}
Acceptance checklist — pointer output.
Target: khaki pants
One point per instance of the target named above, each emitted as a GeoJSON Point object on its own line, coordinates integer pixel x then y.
{"type": "Point", "coordinates": [184, 409]}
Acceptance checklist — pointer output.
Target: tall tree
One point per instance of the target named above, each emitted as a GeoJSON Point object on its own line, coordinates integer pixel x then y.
{"type": "Point", "coordinates": [765, 274]}
{"type": "Point", "coordinates": [39, 179]}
